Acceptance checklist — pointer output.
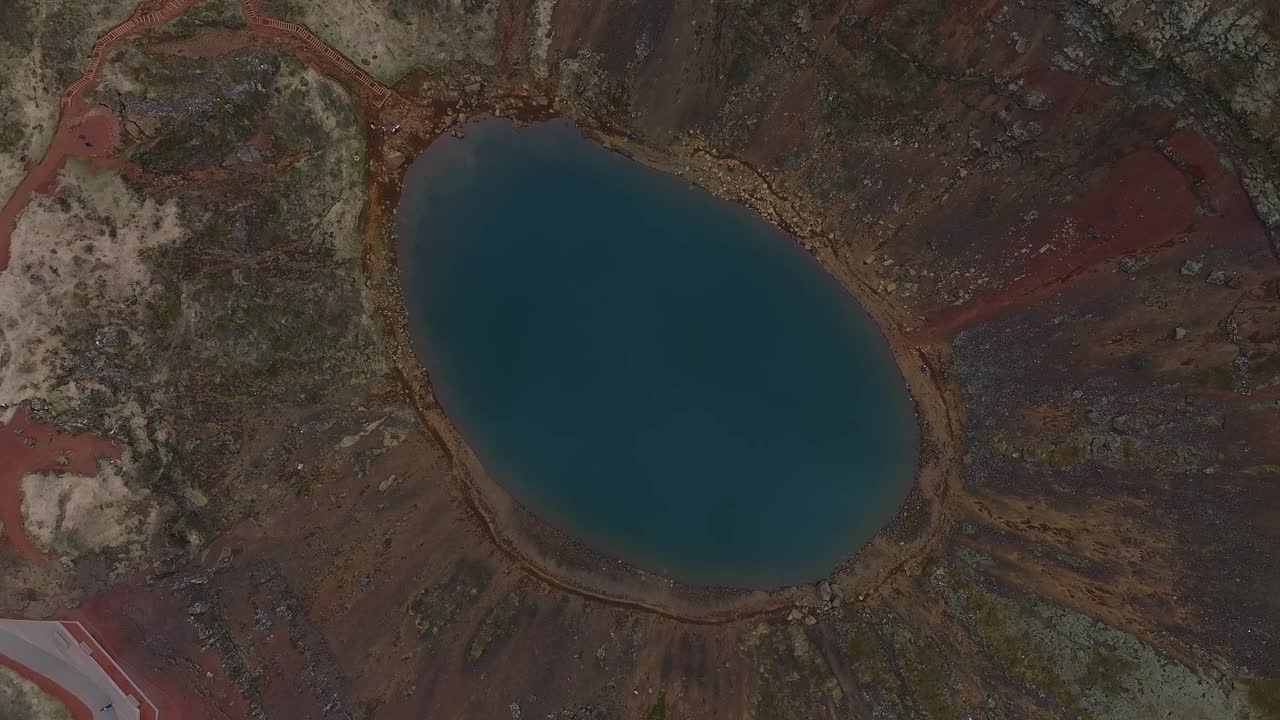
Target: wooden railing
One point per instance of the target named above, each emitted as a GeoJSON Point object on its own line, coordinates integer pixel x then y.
{"type": "Point", "coordinates": [174, 8]}
{"type": "Point", "coordinates": [168, 11]}
{"type": "Point", "coordinates": [381, 92]}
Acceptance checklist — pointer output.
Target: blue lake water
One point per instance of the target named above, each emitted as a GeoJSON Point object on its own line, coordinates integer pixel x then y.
{"type": "Point", "coordinates": [656, 371]}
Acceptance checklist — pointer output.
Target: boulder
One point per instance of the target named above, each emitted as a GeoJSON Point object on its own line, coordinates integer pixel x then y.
{"type": "Point", "coordinates": [1219, 277]}
{"type": "Point", "coordinates": [111, 338]}
{"type": "Point", "coordinates": [824, 591]}
{"type": "Point", "coordinates": [1132, 265]}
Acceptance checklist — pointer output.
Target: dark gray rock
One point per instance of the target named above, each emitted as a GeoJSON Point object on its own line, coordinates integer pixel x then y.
{"type": "Point", "coordinates": [1219, 277]}
{"type": "Point", "coordinates": [111, 338]}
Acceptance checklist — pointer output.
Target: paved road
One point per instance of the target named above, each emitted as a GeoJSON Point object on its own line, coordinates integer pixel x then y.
{"type": "Point", "coordinates": [48, 649]}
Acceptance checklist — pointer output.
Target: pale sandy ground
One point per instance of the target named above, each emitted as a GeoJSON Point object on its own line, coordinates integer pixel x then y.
{"type": "Point", "coordinates": [59, 259]}
{"type": "Point", "coordinates": [21, 699]}
{"type": "Point", "coordinates": [365, 32]}
{"type": "Point", "coordinates": [71, 515]}
{"type": "Point", "coordinates": [67, 272]}
{"type": "Point", "coordinates": [540, 36]}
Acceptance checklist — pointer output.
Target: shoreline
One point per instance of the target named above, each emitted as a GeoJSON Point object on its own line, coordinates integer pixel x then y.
{"type": "Point", "coordinates": [547, 553]}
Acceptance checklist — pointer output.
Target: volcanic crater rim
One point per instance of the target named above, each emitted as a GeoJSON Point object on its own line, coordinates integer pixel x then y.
{"type": "Point", "coordinates": [549, 554]}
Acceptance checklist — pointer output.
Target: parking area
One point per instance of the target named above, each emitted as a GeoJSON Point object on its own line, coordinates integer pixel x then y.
{"type": "Point", "coordinates": [63, 658]}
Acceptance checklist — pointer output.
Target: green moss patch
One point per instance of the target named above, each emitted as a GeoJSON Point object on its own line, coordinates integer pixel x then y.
{"type": "Point", "coordinates": [870, 662]}
{"type": "Point", "coordinates": [659, 709]}
{"type": "Point", "coordinates": [496, 626]}
{"type": "Point", "coordinates": [928, 681]}
{"type": "Point", "coordinates": [437, 606]}
{"type": "Point", "coordinates": [1108, 673]}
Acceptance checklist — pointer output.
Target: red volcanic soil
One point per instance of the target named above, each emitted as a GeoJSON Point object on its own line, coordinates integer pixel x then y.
{"type": "Point", "coordinates": [144, 628]}
{"type": "Point", "coordinates": [213, 42]}
{"type": "Point", "coordinates": [1145, 200]}
{"type": "Point", "coordinates": [29, 446]}
{"type": "Point", "coordinates": [90, 133]}
{"type": "Point", "coordinates": [79, 710]}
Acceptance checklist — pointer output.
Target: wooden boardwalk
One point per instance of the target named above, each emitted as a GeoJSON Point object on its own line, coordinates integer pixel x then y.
{"type": "Point", "coordinates": [256, 18]}
{"type": "Point", "coordinates": [169, 11]}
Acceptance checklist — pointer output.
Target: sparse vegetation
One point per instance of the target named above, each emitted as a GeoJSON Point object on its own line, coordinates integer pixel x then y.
{"type": "Point", "coordinates": [1017, 649]}
{"type": "Point", "coordinates": [283, 8]}
{"type": "Point", "coordinates": [404, 10]}
{"type": "Point", "coordinates": [296, 129]}
{"type": "Point", "coordinates": [871, 666]}
{"type": "Point", "coordinates": [1107, 673]}
{"type": "Point", "coordinates": [1267, 367]}
{"type": "Point", "coordinates": [1219, 378]}
{"type": "Point", "coordinates": [911, 24]}
{"type": "Point", "coordinates": [754, 31]}
{"type": "Point", "coordinates": [226, 304]}
{"type": "Point", "coordinates": [770, 703]}
{"type": "Point", "coordinates": [927, 679]}
{"type": "Point", "coordinates": [11, 135]}
{"type": "Point", "coordinates": [20, 699]}
{"type": "Point", "coordinates": [496, 626]}
{"type": "Point", "coordinates": [873, 90]}
{"type": "Point", "coordinates": [232, 96]}
{"type": "Point", "coordinates": [795, 675]}
{"type": "Point", "coordinates": [210, 13]}
{"type": "Point", "coordinates": [64, 37]}
{"type": "Point", "coordinates": [16, 22]}
{"type": "Point", "coordinates": [436, 607]}
{"type": "Point", "coordinates": [302, 486]}
{"type": "Point", "coordinates": [659, 709]}
{"type": "Point", "coordinates": [1264, 695]}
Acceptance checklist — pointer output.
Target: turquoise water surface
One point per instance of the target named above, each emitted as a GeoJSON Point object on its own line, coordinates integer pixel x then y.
{"type": "Point", "coordinates": [656, 371]}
